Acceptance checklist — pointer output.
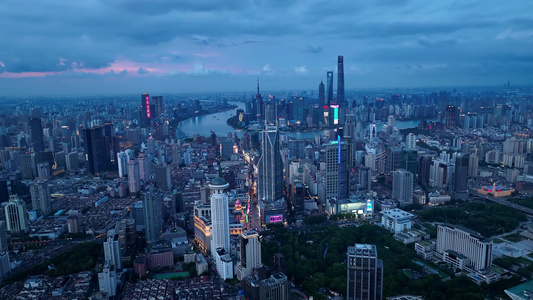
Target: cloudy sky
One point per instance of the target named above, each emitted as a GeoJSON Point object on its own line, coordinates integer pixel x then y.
{"type": "Point", "coordinates": [59, 47]}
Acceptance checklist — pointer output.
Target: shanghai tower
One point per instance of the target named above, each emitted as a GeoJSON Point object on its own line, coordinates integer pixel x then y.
{"type": "Point", "coordinates": [340, 82]}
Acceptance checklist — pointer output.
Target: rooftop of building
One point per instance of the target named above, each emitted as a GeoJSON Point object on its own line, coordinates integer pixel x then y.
{"type": "Point", "coordinates": [397, 213]}
{"type": "Point", "coordinates": [517, 292]}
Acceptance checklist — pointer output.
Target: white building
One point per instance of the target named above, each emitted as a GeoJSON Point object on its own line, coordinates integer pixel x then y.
{"type": "Point", "coordinates": [16, 215]}
{"type": "Point", "coordinates": [107, 280]}
{"type": "Point", "coordinates": [410, 141]}
{"type": "Point", "coordinates": [112, 250]}
{"type": "Point", "coordinates": [250, 254]}
{"type": "Point", "coordinates": [473, 250]}
{"type": "Point", "coordinates": [220, 234]}
{"type": "Point", "coordinates": [220, 228]}
{"type": "Point", "coordinates": [224, 264]}
{"type": "Point", "coordinates": [396, 220]}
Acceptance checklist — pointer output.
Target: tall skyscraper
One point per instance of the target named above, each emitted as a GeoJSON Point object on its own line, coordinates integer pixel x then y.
{"type": "Point", "coordinates": [365, 273]}
{"type": "Point", "coordinates": [152, 206]}
{"type": "Point", "coordinates": [36, 134]}
{"type": "Point", "coordinates": [270, 167]}
{"type": "Point", "coordinates": [40, 197]}
{"type": "Point", "coordinates": [321, 97]}
{"type": "Point", "coordinates": [473, 164]}
{"type": "Point", "coordinates": [340, 82]}
{"type": "Point", "coordinates": [112, 250]}
{"type": "Point", "coordinates": [16, 215]}
{"type": "Point", "coordinates": [162, 176]}
{"type": "Point", "coordinates": [144, 166]}
{"type": "Point", "coordinates": [146, 112]}
{"type": "Point", "coordinates": [250, 254]}
{"type": "Point", "coordinates": [424, 166]}
{"type": "Point", "coordinates": [259, 104]}
{"type": "Point", "coordinates": [337, 183]}
{"type": "Point", "coordinates": [451, 116]}
{"type": "Point", "coordinates": [157, 105]}
{"type": "Point", "coordinates": [220, 234]}
{"type": "Point", "coordinates": [365, 179]}
{"type": "Point", "coordinates": [3, 237]}
{"type": "Point", "coordinates": [219, 215]}
{"type": "Point", "coordinates": [402, 186]}
{"type": "Point", "coordinates": [462, 162]}
{"type": "Point", "coordinates": [99, 148]}
{"type": "Point", "coordinates": [329, 82]}
{"type": "Point", "coordinates": [134, 177]}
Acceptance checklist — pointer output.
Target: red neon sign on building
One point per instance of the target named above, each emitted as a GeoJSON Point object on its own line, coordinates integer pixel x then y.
{"type": "Point", "coordinates": [147, 102]}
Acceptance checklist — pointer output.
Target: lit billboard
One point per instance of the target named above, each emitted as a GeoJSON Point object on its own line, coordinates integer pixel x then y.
{"type": "Point", "coordinates": [276, 219]}
{"type": "Point", "coordinates": [147, 102]}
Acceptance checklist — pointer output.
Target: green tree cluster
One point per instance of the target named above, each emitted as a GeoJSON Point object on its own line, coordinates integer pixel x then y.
{"type": "Point", "coordinates": [486, 218]}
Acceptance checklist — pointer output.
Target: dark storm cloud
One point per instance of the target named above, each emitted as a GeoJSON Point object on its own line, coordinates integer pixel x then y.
{"type": "Point", "coordinates": [143, 42]}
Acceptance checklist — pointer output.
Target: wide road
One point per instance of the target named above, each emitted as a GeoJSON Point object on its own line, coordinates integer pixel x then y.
{"type": "Point", "coordinates": [527, 210]}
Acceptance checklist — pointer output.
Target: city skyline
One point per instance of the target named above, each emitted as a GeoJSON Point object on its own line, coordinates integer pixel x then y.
{"type": "Point", "coordinates": [102, 47]}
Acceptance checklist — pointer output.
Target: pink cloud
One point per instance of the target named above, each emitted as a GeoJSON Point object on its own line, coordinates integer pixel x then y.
{"type": "Point", "coordinates": [25, 74]}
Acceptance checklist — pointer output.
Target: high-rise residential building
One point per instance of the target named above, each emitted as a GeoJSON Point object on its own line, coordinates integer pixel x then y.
{"type": "Point", "coordinates": [276, 287]}
{"type": "Point", "coordinates": [441, 173]}
{"type": "Point", "coordinates": [365, 179]}
{"type": "Point", "coordinates": [463, 247]}
{"type": "Point", "coordinates": [162, 176]}
{"type": "Point", "coordinates": [40, 197]}
{"type": "Point", "coordinates": [146, 112]}
{"type": "Point", "coordinates": [329, 82]}
{"type": "Point", "coordinates": [340, 82]}
{"type": "Point", "coordinates": [473, 164]}
{"type": "Point", "coordinates": [451, 116]}
{"type": "Point", "coordinates": [107, 280]}
{"type": "Point", "coordinates": [270, 167]}
{"type": "Point", "coordinates": [112, 251]}
{"type": "Point", "coordinates": [122, 162]}
{"type": "Point", "coordinates": [402, 186]}
{"type": "Point", "coordinates": [3, 237]}
{"type": "Point", "coordinates": [410, 141]}
{"type": "Point", "coordinates": [462, 163]}
{"type": "Point", "coordinates": [250, 254]}
{"type": "Point", "coordinates": [220, 235]}
{"type": "Point", "coordinates": [72, 161]}
{"type": "Point", "coordinates": [36, 134]}
{"type": "Point", "coordinates": [336, 172]}
{"type": "Point", "coordinates": [134, 177]}
{"type": "Point", "coordinates": [365, 273]}
{"type": "Point", "coordinates": [16, 215]}
{"type": "Point", "coordinates": [157, 105]}
{"type": "Point", "coordinates": [144, 166]}
{"type": "Point", "coordinates": [152, 210]}
{"type": "Point", "coordinates": [73, 224]}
